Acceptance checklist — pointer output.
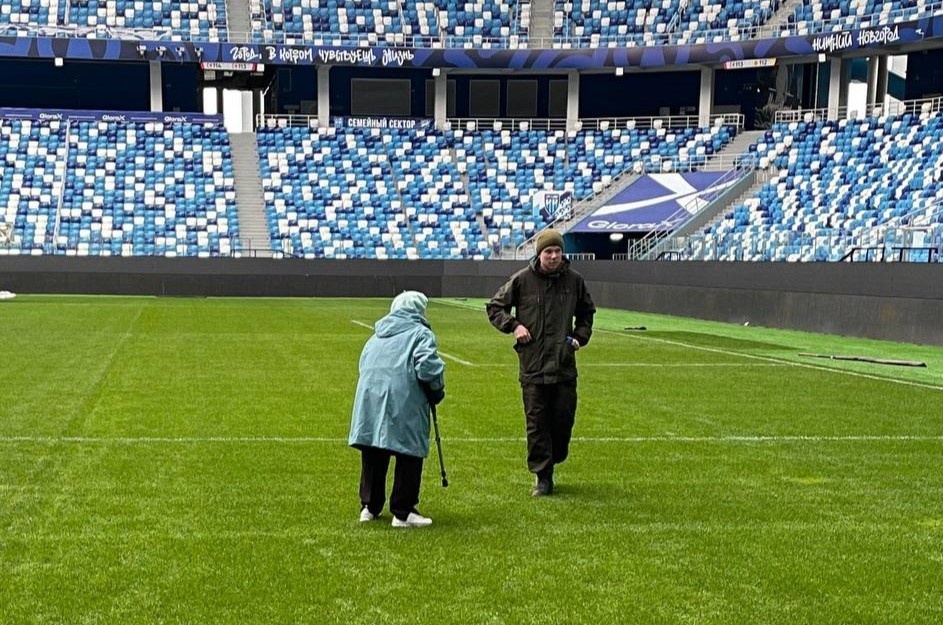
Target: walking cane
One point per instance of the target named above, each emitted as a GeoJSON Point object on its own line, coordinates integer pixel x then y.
{"type": "Point", "coordinates": [438, 445]}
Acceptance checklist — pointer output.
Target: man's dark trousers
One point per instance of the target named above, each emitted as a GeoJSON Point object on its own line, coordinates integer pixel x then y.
{"type": "Point", "coordinates": [550, 410]}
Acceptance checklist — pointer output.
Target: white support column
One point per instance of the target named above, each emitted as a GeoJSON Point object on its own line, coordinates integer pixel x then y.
{"type": "Point", "coordinates": [572, 99]}
{"type": "Point", "coordinates": [706, 100]}
{"type": "Point", "coordinates": [872, 80]}
{"type": "Point", "coordinates": [248, 111]}
{"type": "Point", "coordinates": [835, 78]}
{"type": "Point", "coordinates": [156, 87]}
{"type": "Point", "coordinates": [441, 100]}
{"type": "Point", "coordinates": [324, 96]}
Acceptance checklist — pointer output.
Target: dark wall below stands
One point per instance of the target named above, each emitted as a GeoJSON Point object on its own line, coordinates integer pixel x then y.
{"type": "Point", "coordinates": [894, 301]}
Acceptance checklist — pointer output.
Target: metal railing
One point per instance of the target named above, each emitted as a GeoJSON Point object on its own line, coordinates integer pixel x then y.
{"type": "Point", "coordinates": [893, 108]}
{"type": "Point", "coordinates": [668, 122]}
{"type": "Point", "coordinates": [156, 33]}
{"type": "Point", "coordinates": [923, 217]}
{"type": "Point", "coordinates": [900, 254]}
{"type": "Point", "coordinates": [902, 244]}
{"type": "Point", "coordinates": [649, 245]}
{"type": "Point", "coordinates": [61, 199]}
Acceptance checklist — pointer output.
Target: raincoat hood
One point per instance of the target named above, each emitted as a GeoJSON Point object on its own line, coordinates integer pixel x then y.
{"type": "Point", "coordinates": [397, 322]}
{"type": "Point", "coordinates": [413, 301]}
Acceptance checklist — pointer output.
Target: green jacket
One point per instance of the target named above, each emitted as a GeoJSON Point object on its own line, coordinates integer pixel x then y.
{"type": "Point", "coordinates": [551, 307]}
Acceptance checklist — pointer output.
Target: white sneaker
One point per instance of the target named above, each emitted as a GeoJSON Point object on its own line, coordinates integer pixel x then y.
{"type": "Point", "coordinates": [366, 515]}
{"type": "Point", "coordinates": [413, 520]}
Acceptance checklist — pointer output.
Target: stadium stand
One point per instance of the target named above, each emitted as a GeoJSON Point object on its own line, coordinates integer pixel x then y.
{"type": "Point", "coordinates": [148, 188]}
{"type": "Point", "coordinates": [117, 188]}
{"type": "Point", "coordinates": [31, 173]}
{"type": "Point", "coordinates": [611, 23]}
{"type": "Point", "coordinates": [327, 22]}
{"type": "Point", "coordinates": [430, 23]}
{"type": "Point", "coordinates": [170, 20]}
{"type": "Point", "coordinates": [446, 23]}
{"type": "Point", "coordinates": [362, 193]}
{"type": "Point", "coordinates": [460, 193]}
{"type": "Point", "coordinates": [576, 23]}
{"type": "Point", "coordinates": [26, 14]}
{"type": "Point", "coordinates": [814, 16]}
{"type": "Point", "coordinates": [838, 185]}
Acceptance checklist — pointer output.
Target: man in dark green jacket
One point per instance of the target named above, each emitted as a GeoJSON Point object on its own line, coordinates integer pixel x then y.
{"type": "Point", "coordinates": [552, 319]}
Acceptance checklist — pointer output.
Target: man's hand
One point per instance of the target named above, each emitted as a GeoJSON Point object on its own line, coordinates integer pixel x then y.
{"type": "Point", "coordinates": [522, 334]}
{"type": "Point", "coordinates": [573, 343]}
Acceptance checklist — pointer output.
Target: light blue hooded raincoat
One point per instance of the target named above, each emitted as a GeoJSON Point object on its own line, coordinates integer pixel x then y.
{"type": "Point", "coordinates": [390, 408]}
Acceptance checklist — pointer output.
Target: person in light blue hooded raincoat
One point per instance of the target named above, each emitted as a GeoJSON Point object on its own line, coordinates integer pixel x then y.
{"type": "Point", "coordinates": [400, 374]}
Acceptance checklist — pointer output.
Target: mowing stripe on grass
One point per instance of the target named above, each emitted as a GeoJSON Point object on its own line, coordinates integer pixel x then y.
{"type": "Point", "coordinates": [678, 365]}
{"type": "Point", "coordinates": [727, 352]}
{"type": "Point", "coordinates": [145, 440]}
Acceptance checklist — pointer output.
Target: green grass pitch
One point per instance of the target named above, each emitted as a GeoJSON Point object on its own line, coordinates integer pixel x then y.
{"type": "Point", "coordinates": [185, 461]}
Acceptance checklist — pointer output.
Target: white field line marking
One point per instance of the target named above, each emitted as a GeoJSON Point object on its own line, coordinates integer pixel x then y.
{"type": "Point", "coordinates": [145, 440]}
{"type": "Point", "coordinates": [776, 360]}
{"type": "Point", "coordinates": [441, 353]}
{"type": "Point", "coordinates": [457, 359]}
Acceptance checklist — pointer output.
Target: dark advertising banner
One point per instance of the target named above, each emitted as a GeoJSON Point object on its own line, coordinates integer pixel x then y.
{"type": "Point", "coordinates": [108, 116]}
{"type": "Point", "coordinates": [257, 55]}
{"type": "Point", "coordinates": [655, 202]}
{"type": "Point", "coordinates": [383, 123]}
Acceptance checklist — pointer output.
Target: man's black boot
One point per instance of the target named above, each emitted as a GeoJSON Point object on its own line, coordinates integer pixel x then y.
{"type": "Point", "coordinates": [544, 484]}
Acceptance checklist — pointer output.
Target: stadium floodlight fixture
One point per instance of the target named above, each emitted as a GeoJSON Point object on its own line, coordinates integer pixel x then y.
{"type": "Point", "coordinates": [198, 51]}
{"type": "Point", "coordinates": [161, 50]}
{"type": "Point", "coordinates": [58, 61]}
{"type": "Point", "coordinates": [620, 71]}
{"type": "Point", "coordinates": [142, 50]}
{"type": "Point", "coordinates": [181, 51]}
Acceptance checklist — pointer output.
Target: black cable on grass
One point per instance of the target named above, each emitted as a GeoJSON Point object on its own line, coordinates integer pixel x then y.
{"type": "Point", "coordinates": [880, 361]}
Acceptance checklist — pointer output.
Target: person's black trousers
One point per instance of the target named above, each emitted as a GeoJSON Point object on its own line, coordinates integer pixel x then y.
{"type": "Point", "coordinates": [550, 411]}
{"type": "Point", "coordinates": [407, 478]}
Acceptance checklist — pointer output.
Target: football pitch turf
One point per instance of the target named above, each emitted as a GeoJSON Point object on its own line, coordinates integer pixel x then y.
{"type": "Point", "coordinates": [169, 460]}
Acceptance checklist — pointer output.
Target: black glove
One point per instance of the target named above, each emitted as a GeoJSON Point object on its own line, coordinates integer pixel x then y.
{"type": "Point", "coordinates": [434, 397]}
